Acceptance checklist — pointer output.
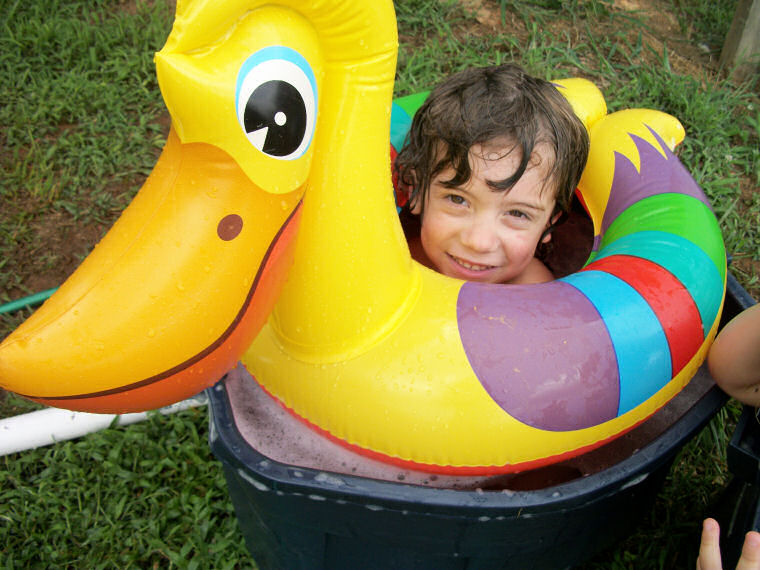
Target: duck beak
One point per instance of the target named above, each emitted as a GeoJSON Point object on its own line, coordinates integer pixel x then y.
{"type": "Point", "coordinates": [170, 298]}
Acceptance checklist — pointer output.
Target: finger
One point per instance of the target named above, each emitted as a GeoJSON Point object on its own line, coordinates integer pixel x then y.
{"type": "Point", "coordinates": [750, 558]}
{"type": "Point", "coordinates": [709, 547]}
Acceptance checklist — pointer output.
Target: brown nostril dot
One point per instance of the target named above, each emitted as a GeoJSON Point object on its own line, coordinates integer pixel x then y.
{"type": "Point", "coordinates": [229, 227]}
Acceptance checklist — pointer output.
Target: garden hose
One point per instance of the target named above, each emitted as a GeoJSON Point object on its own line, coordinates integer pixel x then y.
{"type": "Point", "coordinates": [29, 301]}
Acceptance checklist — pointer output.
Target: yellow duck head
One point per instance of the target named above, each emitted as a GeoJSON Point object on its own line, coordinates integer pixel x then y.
{"type": "Point", "coordinates": [179, 287]}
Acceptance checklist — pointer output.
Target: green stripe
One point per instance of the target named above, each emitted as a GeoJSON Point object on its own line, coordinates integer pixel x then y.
{"type": "Point", "coordinates": [400, 124]}
{"type": "Point", "coordinates": [677, 214]}
{"type": "Point", "coordinates": [411, 103]}
{"type": "Point", "coordinates": [402, 111]}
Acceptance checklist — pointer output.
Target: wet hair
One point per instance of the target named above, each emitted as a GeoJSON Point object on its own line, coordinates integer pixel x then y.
{"type": "Point", "coordinates": [483, 106]}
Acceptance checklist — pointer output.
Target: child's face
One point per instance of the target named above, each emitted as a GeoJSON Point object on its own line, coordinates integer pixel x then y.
{"type": "Point", "coordinates": [475, 233]}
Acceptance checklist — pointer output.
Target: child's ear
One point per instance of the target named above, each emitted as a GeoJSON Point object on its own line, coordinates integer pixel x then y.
{"type": "Point", "coordinates": [547, 237]}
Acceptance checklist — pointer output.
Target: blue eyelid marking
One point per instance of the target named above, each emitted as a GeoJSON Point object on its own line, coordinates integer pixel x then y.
{"type": "Point", "coordinates": [272, 53]}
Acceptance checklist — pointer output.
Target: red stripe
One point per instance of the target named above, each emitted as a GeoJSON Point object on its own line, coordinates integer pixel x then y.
{"type": "Point", "coordinates": [669, 299]}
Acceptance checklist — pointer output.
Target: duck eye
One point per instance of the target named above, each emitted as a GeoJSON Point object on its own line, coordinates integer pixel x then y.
{"type": "Point", "coordinates": [276, 100]}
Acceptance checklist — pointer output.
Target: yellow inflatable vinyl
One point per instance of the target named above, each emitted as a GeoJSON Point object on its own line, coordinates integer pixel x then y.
{"type": "Point", "coordinates": [279, 157]}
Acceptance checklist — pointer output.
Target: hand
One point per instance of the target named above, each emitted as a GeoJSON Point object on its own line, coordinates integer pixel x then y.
{"type": "Point", "coordinates": [709, 549]}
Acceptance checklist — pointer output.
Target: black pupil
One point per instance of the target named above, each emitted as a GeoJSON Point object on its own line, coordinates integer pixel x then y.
{"type": "Point", "coordinates": [277, 106]}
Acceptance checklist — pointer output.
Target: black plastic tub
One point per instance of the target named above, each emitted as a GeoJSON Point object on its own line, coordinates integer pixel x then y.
{"type": "Point", "coordinates": [301, 515]}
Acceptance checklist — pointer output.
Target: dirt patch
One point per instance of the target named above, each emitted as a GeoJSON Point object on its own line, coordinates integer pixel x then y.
{"type": "Point", "coordinates": [66, 241]}
{"type": "Point", "coordinates": [57, 246]}
{"type": "Point", "coordinates": [661, 30]}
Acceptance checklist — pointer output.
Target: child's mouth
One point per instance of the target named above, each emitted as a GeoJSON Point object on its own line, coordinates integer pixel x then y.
{"type": "Point", "coordinates": [470, 266]}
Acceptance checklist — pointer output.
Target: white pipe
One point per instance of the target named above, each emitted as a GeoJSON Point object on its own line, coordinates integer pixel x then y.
{"type": "Point", "coordinates": [51, 425]}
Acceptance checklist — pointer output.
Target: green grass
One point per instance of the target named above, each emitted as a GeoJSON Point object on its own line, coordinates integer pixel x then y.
{"type": "Point", "coordinates": [706, 22]}
{"type": "Point", "coordinates": [146, 496]}
{"type": "Point", "coordinates": [80, 126]}
{"type": "Point", "coordinates": [80, 98]}
{"type": "Point", "coordinates": [78, 123]}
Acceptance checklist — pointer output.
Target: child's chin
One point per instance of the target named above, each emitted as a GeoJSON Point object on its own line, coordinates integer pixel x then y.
{"type": "Point", "coordinates": [476, 277]}
{"type": "Point", "coordinates": [494, 279]}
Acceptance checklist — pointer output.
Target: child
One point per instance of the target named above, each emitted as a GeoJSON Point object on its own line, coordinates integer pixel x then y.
{"type": "Point", "coordinates": [734, 357]}
{"type": "Point", "coordinates": [493, 157]}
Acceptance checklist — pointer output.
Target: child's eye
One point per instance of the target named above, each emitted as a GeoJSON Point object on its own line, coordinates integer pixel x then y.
{"type": "Point", "coordinates": [455, 199]}
{"type": "Point", "coordinates": [518, 214]}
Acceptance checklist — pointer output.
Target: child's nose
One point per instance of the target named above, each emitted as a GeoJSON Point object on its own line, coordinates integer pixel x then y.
{"type": "Point", "coordinates": [479, 237]}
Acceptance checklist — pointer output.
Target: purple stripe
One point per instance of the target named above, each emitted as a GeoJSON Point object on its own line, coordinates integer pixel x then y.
{"type": "Point", "coordinates": [659, 175]}
{"type": "Point", "coordinates": [542, 352]}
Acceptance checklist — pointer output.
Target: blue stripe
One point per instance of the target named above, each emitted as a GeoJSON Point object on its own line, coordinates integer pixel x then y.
{"type": "Point", "coordinates": [685, 260]}
{"type": "Point", "coordinates": [641, 348]}
{"type": "Point", "coordinates": [400, 124]}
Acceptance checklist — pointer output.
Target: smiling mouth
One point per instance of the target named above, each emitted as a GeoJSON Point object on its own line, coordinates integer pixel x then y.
{"type": "Point", "coordinates": [470, 266]}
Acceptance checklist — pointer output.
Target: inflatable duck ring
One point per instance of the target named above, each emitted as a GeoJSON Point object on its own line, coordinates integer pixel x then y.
{"type": "Point", "coordinates": [262, 233]}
